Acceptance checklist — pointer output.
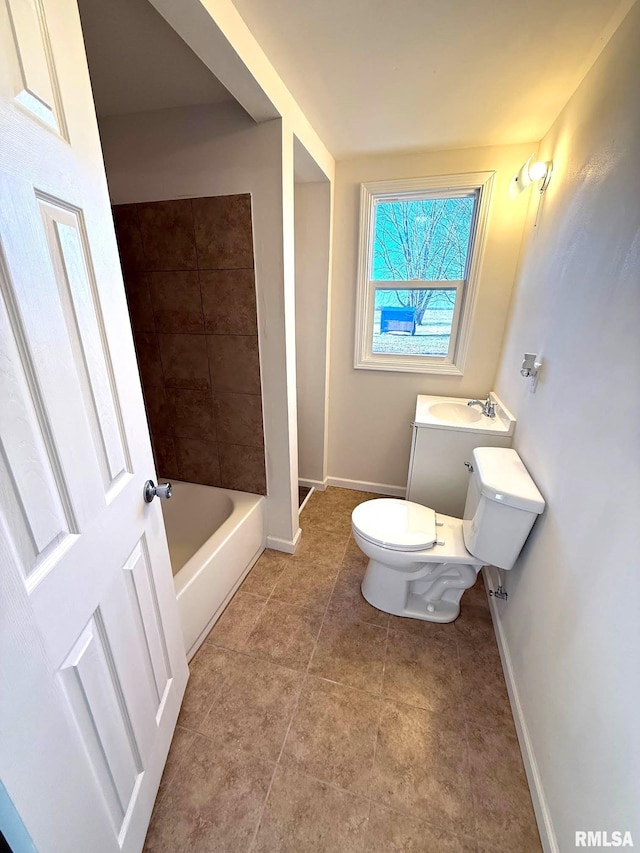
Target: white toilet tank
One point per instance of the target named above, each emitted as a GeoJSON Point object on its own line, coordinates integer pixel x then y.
{"type": "Point", "coordinates": [502, 504]}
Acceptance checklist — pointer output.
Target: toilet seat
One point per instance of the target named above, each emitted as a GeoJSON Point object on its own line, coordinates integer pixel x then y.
{"type": "Point", "coordinates": [396, 524]}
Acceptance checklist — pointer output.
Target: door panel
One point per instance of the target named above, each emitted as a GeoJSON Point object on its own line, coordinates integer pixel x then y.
{"type": "Point", "coordinates": [68, 248]}
{"type": "Point", "coordinates": [100, 711]}
{"type": "Point", "coordinates": [41, 511]}
{"type": "Point", "coordinates": [149, 635]}
{"type": "Point", "coordinates": [92, 661]}
{"type": "Point", "coordinates": [34, 78]}
{"type": "Point", "coordinates": [46, 346]}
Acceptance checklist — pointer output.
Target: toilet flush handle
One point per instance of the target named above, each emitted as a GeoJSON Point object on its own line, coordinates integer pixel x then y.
{"type": "Point", "coordinates": [469, 467]}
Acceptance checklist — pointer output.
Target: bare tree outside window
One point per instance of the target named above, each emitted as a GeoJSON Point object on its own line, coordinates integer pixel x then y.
{"type": "Point", "coordinates": [421, 240]}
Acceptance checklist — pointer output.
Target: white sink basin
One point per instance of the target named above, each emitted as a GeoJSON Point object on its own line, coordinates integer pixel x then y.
{"type": "Point", "coordinates": [458, 413]}
{"type": "Point", "coordinates": [453, 413]}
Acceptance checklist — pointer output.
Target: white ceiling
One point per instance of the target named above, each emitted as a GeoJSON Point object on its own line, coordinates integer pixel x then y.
{"type": "Point", "coordinates": [374, 75]}
{"type": "Point", "coordinates": [138, 62]}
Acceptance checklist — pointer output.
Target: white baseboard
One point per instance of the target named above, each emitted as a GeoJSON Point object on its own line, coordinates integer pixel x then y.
{"type": "Point", "coordinates": [362, 486]}
{"type": "Point", "coordinates": [540, 807]}
{"type": "Point", "coordinates": [287, 545]}
{"type": "Point", "coordinates": [320, 485]}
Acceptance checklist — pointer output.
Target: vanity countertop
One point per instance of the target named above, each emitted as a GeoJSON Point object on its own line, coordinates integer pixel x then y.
{"type": "Point", "coordinates": [455, 413]}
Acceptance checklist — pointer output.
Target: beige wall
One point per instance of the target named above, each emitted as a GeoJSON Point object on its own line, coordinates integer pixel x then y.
{"type": "Point", "coordinates": [370, 411]}
{"type": "Point", "coordinates": [218, 35]}
{"type": "Point", "coordinates": [571, 625]}
{"type": "Point", "coordinates": [312, 220]}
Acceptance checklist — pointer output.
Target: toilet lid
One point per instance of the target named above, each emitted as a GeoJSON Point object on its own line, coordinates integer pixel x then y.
{"type": "Point", "coordinates": [395, 524]}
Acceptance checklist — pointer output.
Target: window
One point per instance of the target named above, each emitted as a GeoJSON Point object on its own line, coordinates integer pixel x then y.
{"type": "Point", "coordinates": [420, 250]}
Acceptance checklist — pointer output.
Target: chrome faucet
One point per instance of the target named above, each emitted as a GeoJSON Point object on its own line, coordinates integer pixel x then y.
{"type": "Point", "coordinates": [488, 407]}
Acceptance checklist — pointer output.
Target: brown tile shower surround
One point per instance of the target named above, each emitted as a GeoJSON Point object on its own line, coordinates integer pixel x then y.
{"type": "Point", "coordinates": [313, 723]}
{"type": "Point", "coordinates": [189, 278]}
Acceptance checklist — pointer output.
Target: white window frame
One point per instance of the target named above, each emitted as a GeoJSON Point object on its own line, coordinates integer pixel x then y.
{"type": "Point", "coordinates": [441, 186]}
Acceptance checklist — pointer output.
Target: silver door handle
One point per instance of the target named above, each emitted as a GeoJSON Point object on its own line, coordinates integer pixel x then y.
{"type": "Point", "coordinates": [151, 490]}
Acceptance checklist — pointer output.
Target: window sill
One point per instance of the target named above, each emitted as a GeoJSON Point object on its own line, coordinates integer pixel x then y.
{"type": "Point", "coordinates": [398, 365]}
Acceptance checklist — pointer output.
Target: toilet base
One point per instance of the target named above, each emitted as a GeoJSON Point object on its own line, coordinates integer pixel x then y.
{"type": "Point", "coordinates": [432, 594]}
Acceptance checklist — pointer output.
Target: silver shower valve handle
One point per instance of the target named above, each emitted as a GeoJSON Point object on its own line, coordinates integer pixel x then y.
{"type": "Point", "coordinates": [163, 491]}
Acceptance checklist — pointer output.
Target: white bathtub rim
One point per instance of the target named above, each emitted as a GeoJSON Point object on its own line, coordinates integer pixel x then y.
{"type": "Point", "coordinates": [218, 613]}
{"type": "Point", "coordinates": [209, 578]}
{"type": "Point", "coordinates": [243, 504]}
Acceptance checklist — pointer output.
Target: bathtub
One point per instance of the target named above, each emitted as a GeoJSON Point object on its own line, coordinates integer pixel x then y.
{"type": "Point", "coordinates": [215, 536]}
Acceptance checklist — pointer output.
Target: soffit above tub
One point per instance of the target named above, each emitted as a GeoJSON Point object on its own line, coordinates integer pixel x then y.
{"type": "Point", "coordinates": [373, 76]}
{"type": "Point", "coordinates": [137, 62]}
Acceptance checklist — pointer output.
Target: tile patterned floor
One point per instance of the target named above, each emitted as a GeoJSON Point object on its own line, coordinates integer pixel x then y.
{"type": "Point", "coordinates": [313, 723]}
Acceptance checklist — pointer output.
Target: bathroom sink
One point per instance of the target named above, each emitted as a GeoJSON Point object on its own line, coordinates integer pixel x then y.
{"type": "Point", "coordinates": [453, 413]}
{"type": "Point", "coordinates": [458, 413]}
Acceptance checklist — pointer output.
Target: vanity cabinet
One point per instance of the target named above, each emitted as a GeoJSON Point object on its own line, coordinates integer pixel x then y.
{"type": "Point", "coordinates": [438, 477]}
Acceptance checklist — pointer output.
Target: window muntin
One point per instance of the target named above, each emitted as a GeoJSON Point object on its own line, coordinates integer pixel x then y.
{"type": "Point", "coordinates": [420, 248]}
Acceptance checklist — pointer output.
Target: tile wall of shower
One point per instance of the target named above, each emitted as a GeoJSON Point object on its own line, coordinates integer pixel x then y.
{"type": "Point", "coordinates": [189, 278]}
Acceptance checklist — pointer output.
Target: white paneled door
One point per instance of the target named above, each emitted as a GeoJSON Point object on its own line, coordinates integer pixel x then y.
{"type": "Point", "coordinates": [92, 664]}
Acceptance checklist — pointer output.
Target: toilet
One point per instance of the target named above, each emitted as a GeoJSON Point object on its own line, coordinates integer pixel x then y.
{"type": "Point", "coordinates": [421, 562]}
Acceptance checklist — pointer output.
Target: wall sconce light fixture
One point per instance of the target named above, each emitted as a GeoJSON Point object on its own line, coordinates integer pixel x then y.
{"type": "Point", "coordinates": [532, 171]}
